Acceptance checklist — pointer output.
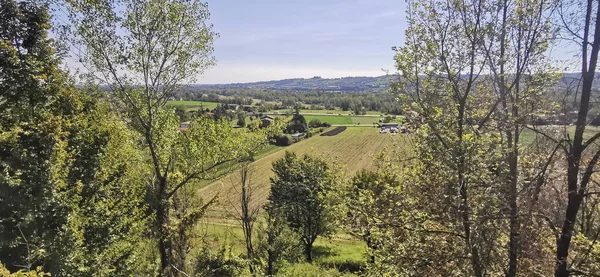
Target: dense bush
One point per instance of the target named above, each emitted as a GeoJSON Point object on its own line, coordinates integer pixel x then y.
{"type": "Point", "coordinates": [314, 123]}
{"type": "Point", "coordinates": [350, 266]}
{"type": "Point", "coordinates": [283, 140]}
{"type": "Point", "coordinates": [22, 273]}
{"type": "Point", "coordinates": [309, 270]}
{"type": "Point", "coordinates": [218, 263]}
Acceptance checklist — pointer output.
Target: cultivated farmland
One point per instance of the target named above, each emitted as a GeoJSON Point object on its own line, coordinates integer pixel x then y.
{"type": "Point", "coordinates": [352, 149]}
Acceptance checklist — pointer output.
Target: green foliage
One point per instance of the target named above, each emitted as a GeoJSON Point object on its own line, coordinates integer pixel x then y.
{"type": "Point", "coordinates": [370, 204]}
{"type": "Point", "coordinates": [310, 270]}
{"type": "Point", "coordinates": [277, 245]}
{"type": "Point", "coordinates": [314, 123]}
{"type": "Point", "coordinates": [241, 119]}
{"type": "Point", "coordinates": [301, 191]}
{"type": "Point", "coordinates": [22, 273]}
{"type": "Point", "coordinates": [72, 197]}
{"type": "Point", "coordinates": [463, 210]}
{"type": "Point", "coordinates": [217, 263]}
{"type": "Point", "coordinates": [131, 41]}
{"type": "Point", "coordinates": [283, 140]}
{"type": "Point", "coordinates": [297, 124]}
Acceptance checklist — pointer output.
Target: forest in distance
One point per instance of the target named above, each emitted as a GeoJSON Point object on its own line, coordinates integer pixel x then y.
{"type": "Point", "coordinates": [477, 157]}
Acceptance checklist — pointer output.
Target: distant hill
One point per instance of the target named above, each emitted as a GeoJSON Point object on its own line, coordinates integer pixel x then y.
{"type": "Point", "coordinates": [350, 84]}
{"type": "Point", "coordinates": [345, 84]}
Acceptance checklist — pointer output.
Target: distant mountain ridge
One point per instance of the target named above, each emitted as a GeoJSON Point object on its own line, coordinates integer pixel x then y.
{"type": "Point", "coordinates": [344, 84]}
{"type": "Point", "coordinates": [350, 84]}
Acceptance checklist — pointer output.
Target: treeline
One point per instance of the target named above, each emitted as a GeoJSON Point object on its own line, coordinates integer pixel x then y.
{"type": "Point", "coordinates": [384, 102]}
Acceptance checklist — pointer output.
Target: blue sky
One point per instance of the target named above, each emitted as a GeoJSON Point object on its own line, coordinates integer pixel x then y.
{"type": "Point", "coordinates": [277, 39]}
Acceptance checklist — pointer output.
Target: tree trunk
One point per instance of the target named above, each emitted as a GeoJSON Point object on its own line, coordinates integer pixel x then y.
{"type": "Point", "coordinates": [162, 221]}
{"type": "Point", "coordinates": [371, 247]}
{"type": "Point", "coordinates": [514, 215]}
{"type": "Point", "coordinates": [308, 251]}
{"type": "Point", "coordinates": [575, 192]}
{"type": "Point", "coordinates": [270, 261]}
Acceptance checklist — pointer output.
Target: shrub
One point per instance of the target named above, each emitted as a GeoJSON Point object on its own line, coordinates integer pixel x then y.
{"type": "Point", "coordinates": [241, 122]}
{"type": "Point", "coordinates": [283, 140]}
{"type": "Point", "coordinates": [350, 266]}
{"type": "Point", "coordinates": [22, 273]}
{"type": "Point", "coordinates": [309, 270]}
{"type": "Point", "coordinates": [315, 123]}
{"type": "Point", "coordinates": [216, 263]}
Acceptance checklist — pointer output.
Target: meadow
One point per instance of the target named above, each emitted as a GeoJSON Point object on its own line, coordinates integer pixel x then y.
{"type": "Point", "coordinates": [193, 105]}
{"type": "Point", "coordinates": [344, 119]}
{"type": "Point", "coordinates": [335, 112]}
{"type": "Point", "coordinates": [338, 251]}
{"type": "Point", "coordinates": [331, 119]}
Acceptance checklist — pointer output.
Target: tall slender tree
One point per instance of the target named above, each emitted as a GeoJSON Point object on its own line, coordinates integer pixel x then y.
{"type": "Point", "coordinates": [472, 73]}
{"type": "Point", "coordinates": [143, 51]}
{"type": "Point", "coordinates": [580, 26]}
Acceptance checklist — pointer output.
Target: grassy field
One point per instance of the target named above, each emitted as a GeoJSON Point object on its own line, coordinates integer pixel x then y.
{"type": "Point", "coordinates": [193, 105]}
{"type": "Point", "coordinates": [344, 119]}
{"type": "Point", "coordinates": [529, 136]}
{"type": "Point", "coordinates": [331, 119]}
{"type": "Point", "coordinates": [336, 112]}
{"type": "Point", "coordinates": [368, 120]}
{"type": "Point", "coordinates": [352, 149]}
{"type": "Point", "coordinates": [338, 249]}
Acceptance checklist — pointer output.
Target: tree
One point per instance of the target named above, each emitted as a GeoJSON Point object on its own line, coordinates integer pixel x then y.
{"type": "Point", "coordinates": [144, 51]}
{"type": "Point", "coordinates": [241, 119]}
{"type": "Point", "coordinates": [277, 243]}
{"type": "Point", "coordinates": [248, 212]}
{"type": "Point", "coordinates": [300, 191]}
{"type": "Point", "coordinates": [370, 207]}
{"type": "Point", "coordinates": [297, 124]}
{"type": "Point", "coordinates": [71, 197]}
{"type": "Point", "coordinates": [471, 71]}
{"type": "Point", "coordinates": [582, 28]}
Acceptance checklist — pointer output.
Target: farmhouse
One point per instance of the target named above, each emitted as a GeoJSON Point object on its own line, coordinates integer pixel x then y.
{"type": "Point", "coordinates": [265, 121]}
{"type": "Point", "coordinates": [232, 107]}
{"type": "Point", "coordinates": [184, 126]}
{"type": "Point", "coordinates": [389, 128]}
{"type": "Point", "coordinates": [248, 108]}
